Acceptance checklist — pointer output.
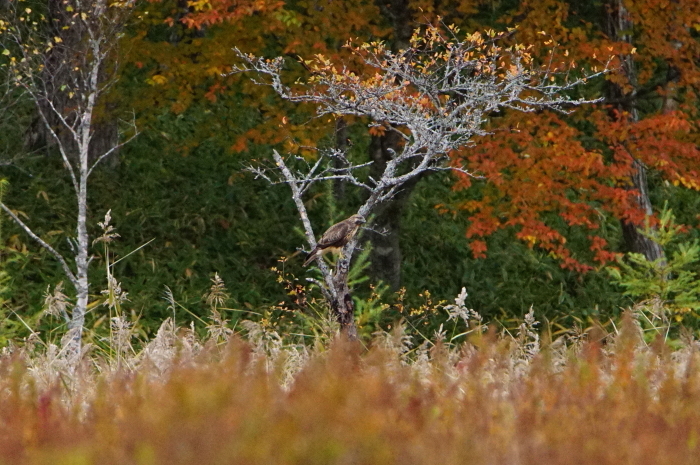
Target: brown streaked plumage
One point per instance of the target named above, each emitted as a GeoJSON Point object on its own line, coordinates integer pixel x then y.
{"type": "Point", "coordinates": [336, 237]}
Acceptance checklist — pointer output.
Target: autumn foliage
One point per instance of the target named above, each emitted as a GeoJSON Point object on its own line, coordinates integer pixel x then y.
{"type": "Point", "coordinates": [578, 167]}
{"type": "Point", "coordinates": [545, 174]}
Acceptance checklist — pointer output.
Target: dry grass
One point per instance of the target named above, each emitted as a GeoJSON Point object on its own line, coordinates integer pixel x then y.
{"type": "Point", "coordinates": [225, 399]}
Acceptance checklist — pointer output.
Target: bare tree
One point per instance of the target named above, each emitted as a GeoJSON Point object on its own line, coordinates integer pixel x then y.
{"type": "Point", "coordinates": [61, 56]}
{"type": "Point", "coordinates": [434, 95]}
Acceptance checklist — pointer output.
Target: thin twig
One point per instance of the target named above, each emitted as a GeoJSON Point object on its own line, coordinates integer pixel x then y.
{"type": "Point", "coordinates": [51, 250]}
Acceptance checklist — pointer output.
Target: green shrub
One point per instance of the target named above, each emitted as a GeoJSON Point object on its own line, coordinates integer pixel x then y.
{"type": "Point", "coordinates": [669, 286]}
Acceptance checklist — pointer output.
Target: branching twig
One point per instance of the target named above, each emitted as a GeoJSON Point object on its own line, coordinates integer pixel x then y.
{"type": "Point", "coordinates": [40, 241]}
{"type": "Point", "coordinates": [301, 208]}
{"type": "Point", "coordinates": [115, 147]}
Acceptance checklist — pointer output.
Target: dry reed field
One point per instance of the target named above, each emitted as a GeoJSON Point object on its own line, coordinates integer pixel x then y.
{"type": "Point", "coordinates": [496, 399]}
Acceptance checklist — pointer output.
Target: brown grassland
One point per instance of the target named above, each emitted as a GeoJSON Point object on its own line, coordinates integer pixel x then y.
{"type": "Point", "coordinates": [226, 399]}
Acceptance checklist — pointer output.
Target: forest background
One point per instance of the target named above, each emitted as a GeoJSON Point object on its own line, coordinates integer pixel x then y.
{"type": "Point", "coordinates": [559, 196]}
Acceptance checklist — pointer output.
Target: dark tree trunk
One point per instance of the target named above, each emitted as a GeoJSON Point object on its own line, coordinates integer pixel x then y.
{"type": "Point", "coordinates": [634, 239]}
{"type": "Point", "coordinates": [619, 27]}
{"type": "Point", "coordinates": [386, 251]}
{"type": "Point", "coordinates": [343, 307]}
{"type": "Point", "coordinates": [106, 136]}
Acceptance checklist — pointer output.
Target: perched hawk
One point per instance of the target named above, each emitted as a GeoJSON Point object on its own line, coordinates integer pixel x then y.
{"type": "Point", "coordinates": [336, 237]}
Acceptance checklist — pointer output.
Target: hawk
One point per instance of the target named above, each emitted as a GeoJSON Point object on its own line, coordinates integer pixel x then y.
{"type": "Point", "coordinates": [336, 237]}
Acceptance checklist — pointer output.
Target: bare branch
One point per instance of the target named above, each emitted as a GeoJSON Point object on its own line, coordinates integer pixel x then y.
{"type": "Point", "coordinates": [381, 232]}
{"type": "Point", "coordinates": [59, 144]}
{"type": "Point", "coordinates": [116, 147]}
{"type": "Point", "coordinates": [301, 208]}
{"type": "Point", "coordinates": [322, 287]}
{"type": "Point", "coordinates": [459, 169]}
{"type": "Point", "coordinates": [41, 242]}
{"type": "Point", "coordinates": [312, 174]}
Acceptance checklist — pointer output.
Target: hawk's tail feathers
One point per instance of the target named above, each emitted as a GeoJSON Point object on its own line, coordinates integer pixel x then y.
{"type": "Point", "coordinates": [312, 256]}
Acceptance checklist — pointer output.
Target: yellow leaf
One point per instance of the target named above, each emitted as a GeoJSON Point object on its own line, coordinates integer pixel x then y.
{"type": "Point", "coordinates": [159, 79]}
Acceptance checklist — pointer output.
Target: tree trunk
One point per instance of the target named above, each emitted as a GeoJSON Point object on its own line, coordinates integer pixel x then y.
{"type": "Point", "coordinates": [619, 27]}
{"type": "Point", "coordinates": [634, 239]}
{"type": "Point", "coordinates": [81, 254]}
{"type": "Point", "coordinates": [105, 135]}
{"type": "Point", "coordinates": [342, 306]}
{"type": "Point", "coordinates": [386, 248]}
{"type": "Point", "coordinates": [386, 256]}
{"type": "Point", "coordinates": [82, 264]}
{"type": "Point", "coordinates": [83, 141]}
